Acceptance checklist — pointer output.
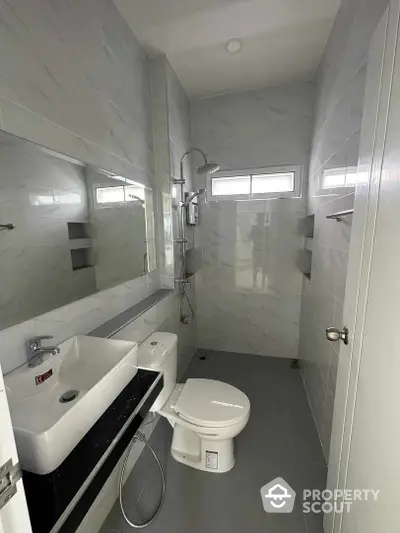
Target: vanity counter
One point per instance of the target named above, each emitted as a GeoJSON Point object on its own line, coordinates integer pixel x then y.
{"type": "Point", "coordinates": [58, 501]}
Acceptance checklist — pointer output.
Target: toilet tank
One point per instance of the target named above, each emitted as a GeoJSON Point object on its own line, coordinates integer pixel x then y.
{"type": "Point", "coordinates": [159, 352]}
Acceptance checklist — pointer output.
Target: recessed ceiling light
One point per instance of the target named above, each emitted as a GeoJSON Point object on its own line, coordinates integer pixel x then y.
{"type": "Point", "coordinates": [233, 46]}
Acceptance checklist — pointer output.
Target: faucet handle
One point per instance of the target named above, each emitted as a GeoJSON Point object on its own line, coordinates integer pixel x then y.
{"type": "Point", "coordinates": [35, 343]}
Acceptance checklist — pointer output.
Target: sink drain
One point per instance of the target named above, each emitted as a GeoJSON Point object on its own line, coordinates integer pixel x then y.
{"type": "Point", "coordinates": [69, 396]}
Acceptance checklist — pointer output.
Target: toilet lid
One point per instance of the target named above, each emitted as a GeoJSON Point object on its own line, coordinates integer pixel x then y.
{"type": "Point", "coordinates": [210, 403]}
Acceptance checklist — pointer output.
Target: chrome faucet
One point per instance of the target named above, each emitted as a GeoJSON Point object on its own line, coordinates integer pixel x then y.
{"type": "Point", "coordinates": [38, 352]}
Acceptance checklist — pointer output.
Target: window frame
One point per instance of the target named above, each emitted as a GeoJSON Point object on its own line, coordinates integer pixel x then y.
{"type": "Point", "coordinates": [284, 169]}
{"type": "Point", "coordinates": [108, 185]}
{"type": "Point", "coordinates": [341, 189]}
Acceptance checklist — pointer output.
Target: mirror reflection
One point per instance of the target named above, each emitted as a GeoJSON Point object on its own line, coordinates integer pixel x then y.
{"type": "Point", "coordinates": [67, 230]}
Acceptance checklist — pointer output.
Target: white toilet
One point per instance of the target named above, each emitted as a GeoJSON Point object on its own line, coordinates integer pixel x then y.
{"type": "Point", "coordinates": [206, 415]}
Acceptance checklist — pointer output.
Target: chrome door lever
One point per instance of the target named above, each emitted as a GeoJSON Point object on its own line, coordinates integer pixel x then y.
{"type": "Point", "coordinates": [335, 334]}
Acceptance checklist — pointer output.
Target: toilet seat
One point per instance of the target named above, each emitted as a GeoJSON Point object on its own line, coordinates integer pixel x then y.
{"type": "Point", "coordinates": [206, 415]}
{"type": "Point", "coordinates": [212, 404]}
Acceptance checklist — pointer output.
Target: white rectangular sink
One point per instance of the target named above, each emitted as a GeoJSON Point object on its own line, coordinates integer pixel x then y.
{"type": "Point", "coordinates": [47, 430]}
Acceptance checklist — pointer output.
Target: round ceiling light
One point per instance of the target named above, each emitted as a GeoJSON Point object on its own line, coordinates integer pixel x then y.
{"type": "Point", "coordinates": [233, 46]}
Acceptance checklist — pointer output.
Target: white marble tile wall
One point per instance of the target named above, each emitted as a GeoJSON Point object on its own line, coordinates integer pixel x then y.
{"type": "Point", "coordinates": [171, 117]}
{"type": "Point", "coordinates": [255, 128]}
{"type": "Point", "coordinates": [235, 313]}
{"type": "Point", "coordinates": [77, 66]}
{"type": "Point", "coordinates": [172, 131]}
{"type": "Point", "coordinates": [337, 123]}
{"type": "Point", "coordinates": [179, 128]}
{"type": "Point", "coordinates": [346, 48]}
{"type": "Point", "coordinates": [242, 308]}
{"type": "Point", "coordinates": [74, 78]}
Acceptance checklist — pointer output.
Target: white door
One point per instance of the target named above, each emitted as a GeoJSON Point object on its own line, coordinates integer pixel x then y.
{"type": "Point", "coordinates": [366, 434]}
{"type": "Point", "coordinates": [14, 517]}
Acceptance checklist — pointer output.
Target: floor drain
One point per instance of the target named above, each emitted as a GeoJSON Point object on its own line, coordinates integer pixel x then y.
{"type": "Point", "coordinates": [69, 396]}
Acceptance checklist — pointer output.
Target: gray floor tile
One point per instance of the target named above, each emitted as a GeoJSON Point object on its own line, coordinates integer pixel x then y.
{"type": "Point", "coordinates": [280, 440]}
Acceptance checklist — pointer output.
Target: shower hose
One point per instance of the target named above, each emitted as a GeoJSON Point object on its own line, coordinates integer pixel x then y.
{"type": "Point", "coordinates": [140, 436]}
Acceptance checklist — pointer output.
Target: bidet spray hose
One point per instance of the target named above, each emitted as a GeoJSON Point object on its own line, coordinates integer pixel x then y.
{"type": "Point", "coordinates": [140, 436]}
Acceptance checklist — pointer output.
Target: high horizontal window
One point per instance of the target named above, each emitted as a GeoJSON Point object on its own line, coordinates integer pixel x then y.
{"type": "Point", "coordinates": [267, 183]}
{"type": "Point", "coordinates": [231, 185]}
{"type": "Point", "coordinates": [119, 194]}
{"type": "Point", "coordinates": [334, 178]}
{"type": "Point", "coordinates": [273, 182]}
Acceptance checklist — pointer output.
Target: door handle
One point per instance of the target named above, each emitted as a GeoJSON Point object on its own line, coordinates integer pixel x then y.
{"type": "Point", "coordinates": [335, 334]}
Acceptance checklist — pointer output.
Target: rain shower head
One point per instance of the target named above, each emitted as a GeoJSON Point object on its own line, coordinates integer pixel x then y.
{"type": "Point", "coordinates": [208, 168]}
{"type": "Point", "coordinates": [205, 168]}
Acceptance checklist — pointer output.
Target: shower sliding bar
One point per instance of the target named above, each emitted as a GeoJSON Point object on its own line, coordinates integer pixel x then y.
{"type": "Point", "coordinates": [340, 215]}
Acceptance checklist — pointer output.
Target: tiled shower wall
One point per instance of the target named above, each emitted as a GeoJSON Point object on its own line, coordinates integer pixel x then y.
{"type": "Point", "coordinates": [237, 313]}
{"type": "Point", "coordinates": [179, 120]}
{"type": "Point", "coordinates": [172, 139]}
{"type": "Point", "coordinates": [337, 123]}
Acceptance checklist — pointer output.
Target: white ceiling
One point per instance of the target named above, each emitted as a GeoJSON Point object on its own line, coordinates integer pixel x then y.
{"type": "Point", "coordinates": [283, 40]}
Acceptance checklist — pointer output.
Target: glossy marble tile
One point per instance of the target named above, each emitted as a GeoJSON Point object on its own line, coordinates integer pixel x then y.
{"type": "Point", "coordinates": [249, 288]}
{"type": "Point", "coordinates": [74, 79]}
{"type": "Point", "coordinates": [86, 44]}
{"type": "Point", "coordinates": [335, 147]}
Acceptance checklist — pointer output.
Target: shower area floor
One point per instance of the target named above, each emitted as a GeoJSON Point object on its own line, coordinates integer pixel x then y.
{"type": "Point", "coordinates": [280, 440]}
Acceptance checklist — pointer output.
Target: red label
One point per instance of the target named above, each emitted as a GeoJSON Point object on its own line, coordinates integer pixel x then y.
{"type": "Point", "coordinates": [43, 377]}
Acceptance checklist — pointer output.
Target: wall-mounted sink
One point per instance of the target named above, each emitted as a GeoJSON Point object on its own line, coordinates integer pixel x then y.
{"type": "Point", "coordinates": [55, 404]}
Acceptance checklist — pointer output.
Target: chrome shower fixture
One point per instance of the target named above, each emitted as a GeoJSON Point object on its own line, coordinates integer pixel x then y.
{"type": "Point", "coordinates": [188, 204]}
{"type": "Point", "coordinates": [206, 168]}
{"type": "Point", "coordinates": [134, 197]}
{"type": "Point", "coordinates": [193, 196]}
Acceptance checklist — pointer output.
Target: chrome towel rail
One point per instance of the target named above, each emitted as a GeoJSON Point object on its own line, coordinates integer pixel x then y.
{"type": "Point", "coordinates": [7, 226]}
{"type": "Point", "coordinates": [340, 215]}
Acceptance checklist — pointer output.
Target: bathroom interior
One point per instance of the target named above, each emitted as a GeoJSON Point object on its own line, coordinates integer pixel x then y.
{"type": "Point", "coordinates": [177, 188]}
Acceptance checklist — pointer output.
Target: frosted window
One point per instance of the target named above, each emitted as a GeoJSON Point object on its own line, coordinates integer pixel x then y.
{"type": "Point", "coordinates": [270, 183]}
{"type": "Point", "coordinates": [231, 186]}
{"type": "Point", "coordinates": [257, 183]}
{"type": "Point", "coordinates": [351, 176]}
{"type": "Point", "coordinates": [339, 177]}
{"type": "Point", "coordinates": [109, 195]}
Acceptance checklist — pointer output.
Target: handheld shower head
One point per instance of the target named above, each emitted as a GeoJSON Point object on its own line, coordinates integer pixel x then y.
{"type": "Point", "coordinates": [193, 196]}
{"type": "Point", "coordinates": [134, 197]}
{"type": "Point", "coordinates": [208, 168]}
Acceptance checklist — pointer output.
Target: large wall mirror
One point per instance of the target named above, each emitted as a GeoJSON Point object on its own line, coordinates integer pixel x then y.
{"type": "Point", "coordinates": [67, 230]}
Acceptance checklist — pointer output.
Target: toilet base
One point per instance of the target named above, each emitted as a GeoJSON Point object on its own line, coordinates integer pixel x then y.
{"type": "Point", "coordinates": [215, 456]}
